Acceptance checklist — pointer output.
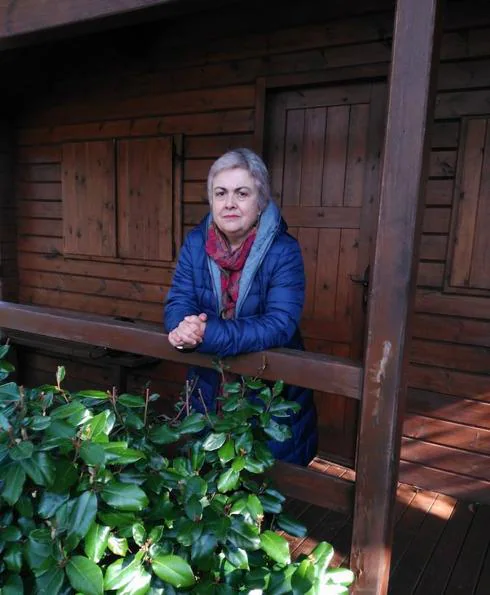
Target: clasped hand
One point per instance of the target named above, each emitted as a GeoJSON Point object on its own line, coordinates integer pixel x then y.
{"type": "Point", "coordinates": [189, 333]}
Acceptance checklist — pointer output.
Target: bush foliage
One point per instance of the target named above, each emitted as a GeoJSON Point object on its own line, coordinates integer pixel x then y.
{"type": "Point", "coordinates": [91, 501]}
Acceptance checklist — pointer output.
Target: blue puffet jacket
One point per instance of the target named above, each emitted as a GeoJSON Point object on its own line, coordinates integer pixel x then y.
{"type": "Point", "coordinates": [267, 315]}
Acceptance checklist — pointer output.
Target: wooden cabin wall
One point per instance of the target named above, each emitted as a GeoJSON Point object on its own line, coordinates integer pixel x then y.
{"type": "Point", "coordinates": [203, 80]}
{"type": "Point", "coordinates": [8, 245]}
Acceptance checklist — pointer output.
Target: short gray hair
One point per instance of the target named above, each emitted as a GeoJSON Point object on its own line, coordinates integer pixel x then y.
{"type": "Point", "coordinates": [243, 159]}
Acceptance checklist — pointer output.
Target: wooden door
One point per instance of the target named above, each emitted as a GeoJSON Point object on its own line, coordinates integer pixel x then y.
{"type": "Point", "coordinates": [323, 148]}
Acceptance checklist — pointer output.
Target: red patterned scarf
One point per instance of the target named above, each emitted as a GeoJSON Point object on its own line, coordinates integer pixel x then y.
{"type": "Point", "coordinates": [231, 265]}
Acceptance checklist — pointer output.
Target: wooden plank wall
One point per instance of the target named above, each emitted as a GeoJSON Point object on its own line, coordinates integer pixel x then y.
{"type": "Point", "coordinates": [8, 246]}
{"type": "Point", "coordinates": [197, 79]}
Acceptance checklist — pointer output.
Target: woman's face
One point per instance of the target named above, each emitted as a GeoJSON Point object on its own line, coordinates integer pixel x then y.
{"type": "Point", "coordinates": [235, 204]}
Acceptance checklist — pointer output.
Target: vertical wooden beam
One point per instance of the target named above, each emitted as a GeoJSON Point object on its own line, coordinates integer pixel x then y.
{"type": "Point", "coordinates": [8, 246]}
{"type": "Point", "coordinates": [405, 160]}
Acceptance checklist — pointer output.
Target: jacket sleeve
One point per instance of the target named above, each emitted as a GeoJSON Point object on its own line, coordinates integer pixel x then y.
{"type": "Point", "coordinates": [181, 298]}
{"type": "Point", "coordinates": [276, 326]}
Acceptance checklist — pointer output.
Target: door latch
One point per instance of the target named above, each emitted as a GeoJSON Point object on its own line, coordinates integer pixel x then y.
{"type": "Point", "coordinates": [364, 281]}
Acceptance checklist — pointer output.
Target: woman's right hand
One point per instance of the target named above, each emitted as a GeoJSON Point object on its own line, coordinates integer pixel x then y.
{"type": "Point", "coordinates": [189, 333]}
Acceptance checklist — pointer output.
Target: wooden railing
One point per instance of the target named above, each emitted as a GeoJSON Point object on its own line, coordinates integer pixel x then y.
{"type": "Point", "coordinates": [310, 370]}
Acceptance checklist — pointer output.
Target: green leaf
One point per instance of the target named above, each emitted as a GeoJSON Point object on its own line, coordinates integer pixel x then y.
{"type": "Point", "coordinates": [228, 480]}
{"type": "Point", "coordinates": [138, 585]}
{"type": "Point", "coordinates": [275, 546]}
{"type": "Point", "coordinates": [13, 585]}
{"type": "Point", "coordinates": [237, 557]}
{"type": "Point", "coordinates": [99, 427]}
{"type": "Point", "coordinates": [38, 550]}
{"type": "Point", "coordinates": [40, 469]}
{"type": "Point", "coordinates": [118, 519]}
{"type": "Point", "coordinates": [10, 533]}
{"type": "Point", "coordinates": [202, 553]}
{"type": "Point", "coordinates": [163, 435]}
{"type": "Point", "coordinates": [291, 526]}
{"type": "Point", "coordinates": [243, 535]}
{"type": "Point", "coordinates": [85, 576]}
{"type": "Point", "coordinates": [121, 572]}
{"type": "Point", "coordinates": [92, 453]}
{"type": "Point", "coordinates": [96, 541]}
{"type": "Point", "coordinates": [24, 506]}
{"type": "Point", "coordinates": [321, 556]}
{"type": "Point", "coordinates": [123, 496]}
{"type": "Point", "coordinates": [22, 450]}
{"type": "Point", "coordinates": [4, 425]}
{"type": "Point", "coordinates": [192, 424]}
{"type": "Point", "coordinates": [14, 483]}
{"type": "Point", "coordinates": [60, 374]}
{"type": "Point", "coordinates": [227, 451]}
{"type": "Point", "coordinates": [174, 570]}
{"type": "Point", "coordinates": [118, 545]}
{"type": "Point", "coordinates": [244, 442]}
{"type": "Point", "coordinates": [139, 533]}
{"type": "Point", "coordinates": [93, 394]}
{"type": "Point", "coordinates": [118, 453]}
{"type": "Point", "coordinates": [254, 506]}
{"type": "Point", "coordinates": [82, 515]}
{"type": "Point", "coordinates": [254, 383]}
{"type": "Point", "coordinates": [279, 432]}
{"type": "Point", "coordinates": [12, 557]}
{"type": "Point", "coordinates": [340, 576]}
{"type": "Point", "coordinates": [131, 400]}
{"type": "Point", "coordinates": [284, 408]}
{"type": "Point", "coordinates": [278, 387]}
{"type": "Point", "coordinates": [253, 466]}
{"type": "Point", "coordinates": [50, 503]}
{"type": "Point", "coordinates": [9, 392]}
{"type": "Point", "coordinates": [193, 508]}
{"type": "Point", "coordinates": [213, 441]}
{"type": "Point", "coordinates": [51, 581]}
{"type": "Point", "coordinates": [38, 423]}
{"type": "Point", "coordinates": [75, 408]}
{"type": "Point", "coordinates": [303, 578]}
{"type": "Point", "coordinates": [4, 349]}
{"type": "Point", "coordinates": [238, 464]}
{"type": "Point", "coordinates": [66, 476]}
{"type": "Point", "coordinates": [231, 403]}
{"type": "Point", "coordinates": [197, 486]}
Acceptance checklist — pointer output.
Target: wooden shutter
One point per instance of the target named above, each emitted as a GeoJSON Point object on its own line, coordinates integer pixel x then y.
{"type": "Point", "coordinates": [88, 191]}
{"type": "Point", "coordinates": [470, 245]}
{"type": "Point", "coordinates": [145, 198]}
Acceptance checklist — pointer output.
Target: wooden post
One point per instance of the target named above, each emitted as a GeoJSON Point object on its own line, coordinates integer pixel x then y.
{"type": "Point", "coordinates": [405, 160]}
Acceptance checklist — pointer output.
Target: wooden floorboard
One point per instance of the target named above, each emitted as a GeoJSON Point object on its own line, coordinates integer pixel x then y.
{"type": "Point", "coordinates": [441, 546]}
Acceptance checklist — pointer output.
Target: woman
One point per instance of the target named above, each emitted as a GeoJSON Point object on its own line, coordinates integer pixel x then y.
{"type": "Point", "coordinates": [239, 287]}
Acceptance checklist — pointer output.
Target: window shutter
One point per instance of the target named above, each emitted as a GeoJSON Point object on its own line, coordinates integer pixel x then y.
{"type": "Point", "coordinates": [88, 191]}
{"type": "Point", "coordinates": [145, 198]}
{"type": "Point", "coordinates": [469, 265]}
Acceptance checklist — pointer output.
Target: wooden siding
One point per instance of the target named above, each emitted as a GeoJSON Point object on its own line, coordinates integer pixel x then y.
{"type": "Point", "coordinates": [8, 224]}
{"type": "Point", "coordinates": [212, 88]}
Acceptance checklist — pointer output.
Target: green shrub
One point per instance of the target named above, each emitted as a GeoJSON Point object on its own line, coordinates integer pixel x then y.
{"type": "Point", "coordinates": [92, 502]}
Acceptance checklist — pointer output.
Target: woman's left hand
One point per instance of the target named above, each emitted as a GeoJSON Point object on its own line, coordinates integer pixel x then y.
{"type": "Point", "coordinates": [189, 333]}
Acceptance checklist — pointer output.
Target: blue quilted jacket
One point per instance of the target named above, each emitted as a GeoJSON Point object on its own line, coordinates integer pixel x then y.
{"type": "Point", "coordinates": [267, 315]}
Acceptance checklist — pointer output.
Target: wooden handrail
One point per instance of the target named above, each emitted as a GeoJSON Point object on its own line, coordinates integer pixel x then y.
{"type": "Point", "coordinates": [310, 370]}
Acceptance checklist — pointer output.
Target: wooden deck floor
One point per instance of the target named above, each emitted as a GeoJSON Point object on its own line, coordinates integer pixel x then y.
{"type": "Point", "coordinates": [441, 545]}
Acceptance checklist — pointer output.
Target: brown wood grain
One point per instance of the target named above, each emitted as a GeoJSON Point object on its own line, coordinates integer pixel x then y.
{"type": "Point", "coordinates": [404, 171]}
{"type": "Point", "coordinates": [450, 382]}
{"type": "Point", "coordinates": [89, 199]}
{"type": "Point", "coordinates": [294, 367]}
{"type": "Point", "coordinates": [463, 237]}
{"type": "Point", "coordinates": [446, 433]}
{"type": "Point", "coordinates": [145, 200]}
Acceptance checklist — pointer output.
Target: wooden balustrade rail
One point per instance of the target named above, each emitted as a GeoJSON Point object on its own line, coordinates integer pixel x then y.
{"type": "Point", "coordinates": [310, 370]}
